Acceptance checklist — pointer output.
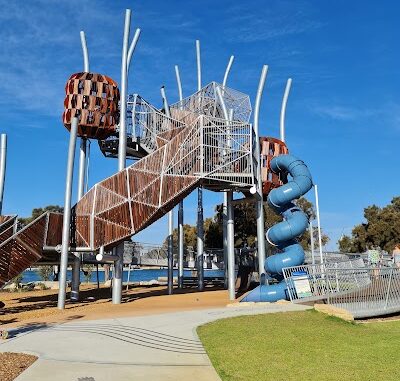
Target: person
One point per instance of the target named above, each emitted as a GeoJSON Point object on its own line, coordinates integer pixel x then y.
{"type": "Point", "coordinates": [246, 267]}
{"type": "Point", "coordinates": [396, 255]}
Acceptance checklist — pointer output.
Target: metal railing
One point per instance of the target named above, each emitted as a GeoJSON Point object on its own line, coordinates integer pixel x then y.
{"type": "Point", "coordinates": [380, 296]}
{"type": "Point", "coordinates": [146, 123]}
{"type": "Point", "coordinates": [315, 282]}
{"type": "Point", "coordinates": [206, 102]}
{"type": "Point", "coordinates": [363, 291]}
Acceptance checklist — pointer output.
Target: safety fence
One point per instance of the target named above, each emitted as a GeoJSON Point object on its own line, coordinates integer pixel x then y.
{"type": "Point", "coordinates": [363, 291]}
{"type": "Point", "coordinates": [379, 296]}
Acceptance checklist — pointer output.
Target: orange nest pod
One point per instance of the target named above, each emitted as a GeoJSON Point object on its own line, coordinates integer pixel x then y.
{"type": "Point", "coordinates": [93, 99]}
{"type": "Point", "coordinates": [271, 147]}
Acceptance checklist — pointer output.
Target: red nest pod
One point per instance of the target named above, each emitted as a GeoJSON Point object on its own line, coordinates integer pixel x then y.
{"type": "Point", "coordinates": [271, 147]}
{"type": "Point", "coordinates": [93, 99]}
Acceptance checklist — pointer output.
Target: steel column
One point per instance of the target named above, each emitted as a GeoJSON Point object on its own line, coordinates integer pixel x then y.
{"type": "Point", "coordinates": [283, 109]}
{"type": "Point", "coordinates": [170, 216]}
{"type": "Point", "coordinates": [259, 195]}
{"type": "Point", "coordinates": [81, 180]}
{"type": "Point", "coordinates": [198, 61]}
{"type": "Point", "coordinates": [170, 253]}
{"type": "Point", "coordinates": [225, 237]}
{"type": "Point", "coordinates": [124, 85]}
{"type": "Point", "coordinates": [231, 246]}
{"type": "Point", "coordinates": [312, 242]}
{"type": "Point", "coordinates": [200, 218]}
{"type": "Point", "coordinates": [132, 48]}
{"type": "Point", "coordinates": [200, 240]}
{"type": "Point", "coordinates": [119, 265]}
{"type": "Point", "coordinates": [3, 158]}
{"type": "Point", "coordinates": [319, 223]}
{"type": "Point", "coordinates": [67, 215]}
{"type": "Point", "coordinates": [180, 210]}
{"type": "Point", "coordinates": [180, 245]}
{"type": "Point", "coordinates": [228, 69]}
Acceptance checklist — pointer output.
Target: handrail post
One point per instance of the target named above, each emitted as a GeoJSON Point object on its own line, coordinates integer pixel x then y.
{"type": "Point", "coordinates": [388, 289]}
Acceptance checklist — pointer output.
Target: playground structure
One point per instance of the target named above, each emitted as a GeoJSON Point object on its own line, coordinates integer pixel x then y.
{"type": "Point", "coordinates": [203, 141]}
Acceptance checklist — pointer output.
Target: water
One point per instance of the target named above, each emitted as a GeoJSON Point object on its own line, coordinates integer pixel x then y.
{"type": "Point", "coordinates": [137, 275]}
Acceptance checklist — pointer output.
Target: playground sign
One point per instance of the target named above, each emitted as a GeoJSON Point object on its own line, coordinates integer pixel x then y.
{"type": "Point", "coordinates": [301, 284]}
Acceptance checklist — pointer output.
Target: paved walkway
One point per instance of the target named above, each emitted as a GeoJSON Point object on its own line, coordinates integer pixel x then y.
{"type": "Point", "coordinates": [156, 347]}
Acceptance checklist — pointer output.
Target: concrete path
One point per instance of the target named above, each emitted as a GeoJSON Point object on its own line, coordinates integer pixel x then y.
{"type": "Point", "coordinates": [155, 347]}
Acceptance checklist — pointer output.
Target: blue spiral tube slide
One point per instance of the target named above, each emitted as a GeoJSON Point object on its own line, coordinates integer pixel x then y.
{"type": "Point", "coordinates": [284, 234]}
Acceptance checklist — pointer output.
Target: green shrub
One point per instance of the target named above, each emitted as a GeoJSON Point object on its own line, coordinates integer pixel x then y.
{"type": "Point", "coordinates": [45, 272]}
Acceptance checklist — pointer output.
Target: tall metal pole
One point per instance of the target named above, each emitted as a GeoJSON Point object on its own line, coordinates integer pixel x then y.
{"type": "Point", "coordinates": [119, 264]}
{"type": "Point", "coordinates": [312, 242]}
{"type": "Point", "coordinates": [124, 85]}
{"type": "Point", "coordinates": [178, 82]}
{"type": "Point", "coordinates": [67, 215]}
{"type": "Point", "coordinates": [225, 238]}
{"type": "Point", "coordinates": [170, 253]}
{"type": "Point", "coordinates": [132, 48]}
{"type": "Point", "coordinates": [231, 249]}
{"type": "Point", "coordinates": [200, 217]}
{"type": "Point", "coordinates": [283, 109]}
{"type": "Point", "coordinates": [259, 195]}
{"type": "Point", "coordinates": [198, 60]}
{"type": "Point", "coordinates": [81, 180]}
{"type": "Point", "coordinates": [224, 205]}
{"type": "Point", "coordinates": [3, 158]}
{"type": "Point", "coordinates": [200, 240]}
{"type": "Point", "coordinates": [228, 69]}
{"type": "Point", "coordinates": [180, 210]}
{"type": "Point", "coordinates": [170, 217]}
{"type": "Point", "coordinates": [319, 223]}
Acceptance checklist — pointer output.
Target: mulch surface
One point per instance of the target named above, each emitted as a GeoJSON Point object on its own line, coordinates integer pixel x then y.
{"type": "Point", "coordinates": [13, 364]}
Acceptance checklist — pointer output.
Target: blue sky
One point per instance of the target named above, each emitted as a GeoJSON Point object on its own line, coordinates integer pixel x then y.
{"type": "Point", "coordinates": [343, 116]}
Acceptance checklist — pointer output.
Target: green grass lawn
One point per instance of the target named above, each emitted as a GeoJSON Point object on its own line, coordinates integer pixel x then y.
{"type": "Point", "coordinates": [302, 346]}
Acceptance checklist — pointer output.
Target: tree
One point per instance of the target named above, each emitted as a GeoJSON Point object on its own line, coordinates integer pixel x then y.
{"type": "Point", "coordinates": [381, 228]}
{"type": "Point", "coordinates": [87, 272]}
{"type": "Point", "coordinates": [245, 226]}
{"type": "Point", "coordinates": [36, 212]}
{"type": "Point", "coordinates": [45, 272]}
{"type": "Point", "coordinates": [345, 244]}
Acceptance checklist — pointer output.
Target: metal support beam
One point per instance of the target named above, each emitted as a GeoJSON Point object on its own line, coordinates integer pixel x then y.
{"type": "Point", "coordinates": [228, 69]}
{"type": "Point", "coordinates": [198, 60]}
{"type": "Point", "coordinates": [225, 237]}
{"type": "Point", "coordinates": [170, 216]}
{"type": "Point", "coordinates": [3, 159]}
{"type": "Point", "coordinates": [312, 242]}
{"type": "Point", "coordinates": [81, 180]}
{"type": "Point", "coordinates": [231, 247]}
{"type": "Point", "coordinates": [180, 210]}
{"type": "Point", "coordinates": [200, 240]}
{"type": "Point", "coordinates": [170, 253]}
{"type": "Point", "coordinates": [124, 85]}
{"type": "Point", "coordinates": [200, 217]}
{"type": "Point", "coordinates": [67, 215]}
{"type": "Point", "coordinates": [132, 48]}
{"type": "Point", "coordinates": [180, 245]}
{"type": "Point", "coordinates": [283, 109]}
{"type": "Point", "coordinates": [119, 265]}
{"type": "Point", "coordinates": [319, 223]}
{"type": "Point", "coordinates": [259, 194]}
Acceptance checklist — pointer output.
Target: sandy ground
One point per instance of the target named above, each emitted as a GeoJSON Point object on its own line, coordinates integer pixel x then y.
{"type": "Point", "coordinates": [13, 364]}
{"type": "Point", "coordinates": [40, 307]}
